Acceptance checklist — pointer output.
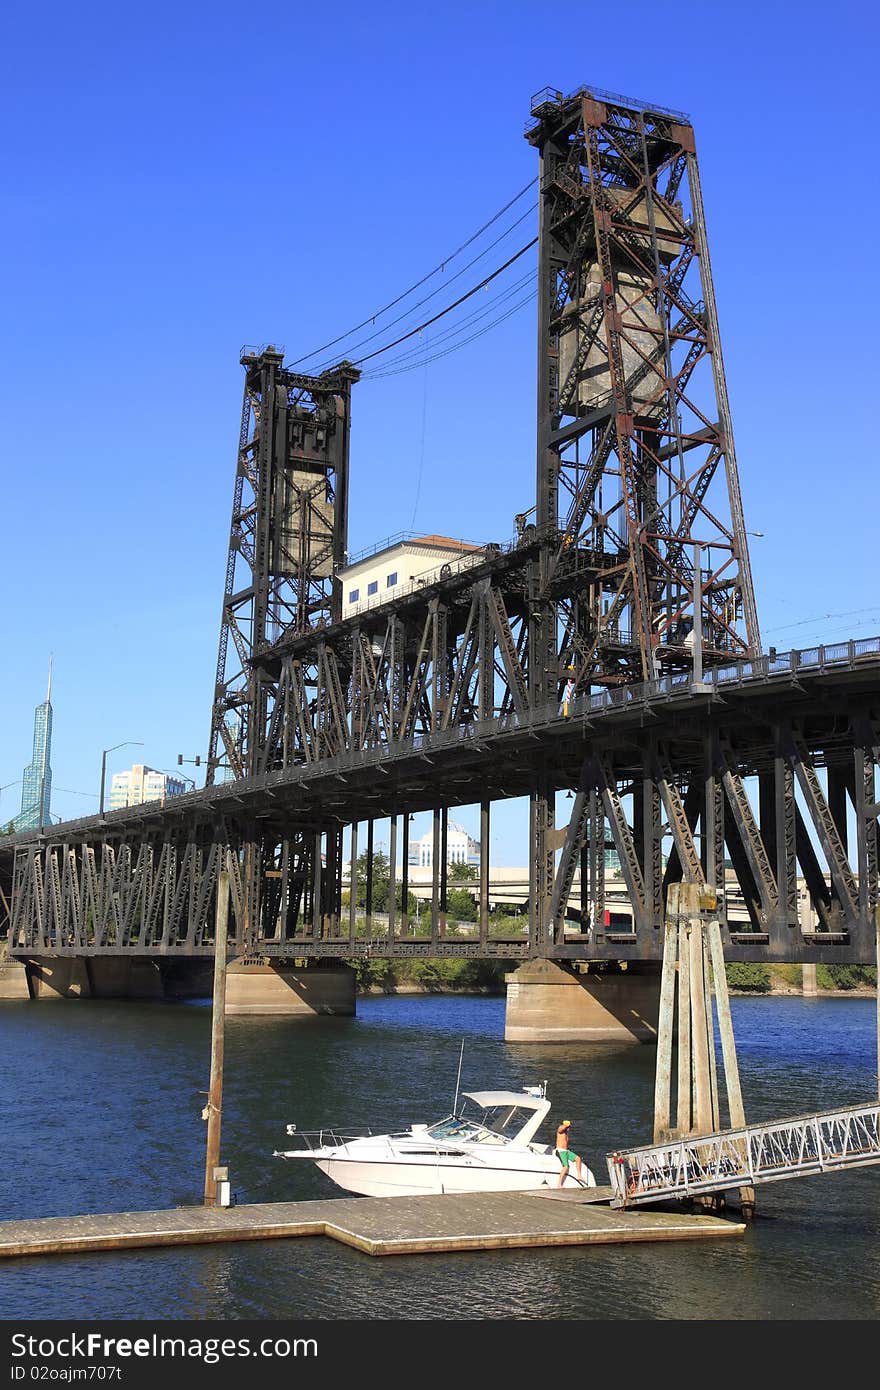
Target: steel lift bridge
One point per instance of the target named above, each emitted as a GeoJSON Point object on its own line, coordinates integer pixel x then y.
{"type": "Point", "coordinates": [610, 650]}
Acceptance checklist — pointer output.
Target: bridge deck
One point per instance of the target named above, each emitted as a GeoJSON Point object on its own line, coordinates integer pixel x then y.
{"type": "Point", "coordinates": [374, 1225]}
{"type": "Point", "coordinates": [746, 695]}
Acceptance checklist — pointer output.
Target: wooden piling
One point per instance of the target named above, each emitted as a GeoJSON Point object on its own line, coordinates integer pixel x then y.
{"type": "Point", "coordinates": [215, 1093]}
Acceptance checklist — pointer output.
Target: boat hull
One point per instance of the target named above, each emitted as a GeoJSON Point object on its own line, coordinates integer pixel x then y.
{"type": "Point", "coordinates": [411, 1178]}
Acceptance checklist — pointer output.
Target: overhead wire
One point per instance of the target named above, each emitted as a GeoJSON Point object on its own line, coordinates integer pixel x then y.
{"type": "Point", "coordinates": [824, 617]}
{"type": "Point", "coordinates": [403, 364]}
{"type": "Point", "coordinates": [449, 308]}
{"type": "Point", "coordinates": [378, 376]}
{"type": "Point", "coordinates": [424, 279]}
{"type": "Point", "coordinates": [371, 337]}
{"type": "Point", "coordinates": [462, 325]}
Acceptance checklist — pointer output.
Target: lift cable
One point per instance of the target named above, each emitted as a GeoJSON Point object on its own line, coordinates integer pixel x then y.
{"type": "Point", "coordinates": [434, 357]}
{"type": "Point", "coordinates": [407, 313]}
{"type": "Point", "coordinates": [437, 269]}
{"type": "Point", "coordinates": [449, 308]}
{"type": "Point", "coordinates": [460, 327]}
{"type": "Point", "coordinates": [399, 365]}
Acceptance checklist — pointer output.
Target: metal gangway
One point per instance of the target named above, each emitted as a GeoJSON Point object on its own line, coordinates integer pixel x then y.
{"type": "Point", "coordinates": [745, 1157]}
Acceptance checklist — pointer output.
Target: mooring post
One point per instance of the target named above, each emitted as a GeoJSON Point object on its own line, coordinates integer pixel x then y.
{"type": "Point", "coordinates": [735, 1107]}
{"type": "Point", "coordinates": [214, 1108]}
{"type": "Point", "coordinates": [665, 1028]}
{"type": "Point", "coordinates": [702, 1106]}
{"type": "Point", "coordinates": [683, 1112]}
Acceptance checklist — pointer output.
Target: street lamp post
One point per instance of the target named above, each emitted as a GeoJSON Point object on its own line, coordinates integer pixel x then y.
{"type": "Point", "coordinates": [127, 743]}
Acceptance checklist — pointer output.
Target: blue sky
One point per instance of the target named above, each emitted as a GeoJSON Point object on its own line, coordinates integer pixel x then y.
{"type": "Point", "coordinates": [185, 179]}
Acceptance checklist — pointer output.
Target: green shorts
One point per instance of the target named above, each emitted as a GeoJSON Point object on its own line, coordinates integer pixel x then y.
{"type": "Point", "coordinates": [566, 1156]}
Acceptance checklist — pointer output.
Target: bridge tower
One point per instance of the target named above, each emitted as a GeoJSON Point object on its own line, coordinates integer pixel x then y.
{"type": "Point", "coordinates": [646, 562]}
{"type": "Point", "coordinates": [287, 538]}
{"type": "Point", "coordinates": [643, 565]}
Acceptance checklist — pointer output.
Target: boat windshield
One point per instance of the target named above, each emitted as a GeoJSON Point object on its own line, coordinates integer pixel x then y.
{"type": "Point", "coordinates": [496, 1124]}
{"type": "Point", "coordinates": [454, 1128]}
{"type": "Point", "coordinates": [506, 1121]}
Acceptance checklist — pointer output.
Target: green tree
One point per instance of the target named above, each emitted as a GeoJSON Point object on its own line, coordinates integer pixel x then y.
{"type": "Point", "coordinates": [461, 905]}
{"type": "Point", "coordinates": [412, 902]}
{"type": "Point", "coordinates": [462, 873]}
{"type": "Point", "coordinates": [381, 880]}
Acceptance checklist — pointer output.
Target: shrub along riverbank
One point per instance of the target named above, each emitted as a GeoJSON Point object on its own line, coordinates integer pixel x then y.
{"type": "Point", "coordinates": [749, 977]}
{"type": "Point", "coordinates": [445, 975]}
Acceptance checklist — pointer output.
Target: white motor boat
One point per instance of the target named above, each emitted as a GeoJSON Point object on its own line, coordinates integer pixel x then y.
{"type": "Point", "coordinates": [485, 1145]}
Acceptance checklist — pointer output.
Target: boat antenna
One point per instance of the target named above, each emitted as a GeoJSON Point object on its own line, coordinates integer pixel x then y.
{"type": "Point", "coordinates": [458, 1079]}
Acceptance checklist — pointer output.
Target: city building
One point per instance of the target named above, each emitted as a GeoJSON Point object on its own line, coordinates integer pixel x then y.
{"type": "Point", "coordinates": [460, 848]}
{"type": "Point", "coordinates": [36, 781]}
{"type": "Point", "coordinates": [386, 572]}
{"type": "Point", "coordinates": [142, 783]}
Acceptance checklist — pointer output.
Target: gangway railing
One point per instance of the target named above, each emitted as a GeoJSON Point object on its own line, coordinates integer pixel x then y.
{"type": "Point", "coordinates": [745, 1157]}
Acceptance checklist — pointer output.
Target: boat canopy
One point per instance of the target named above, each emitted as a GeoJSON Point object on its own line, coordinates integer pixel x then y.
{"type": "Point", "coordinates": [504, 1114]}
{"type": "Point", "coordinates": [487, 1099]}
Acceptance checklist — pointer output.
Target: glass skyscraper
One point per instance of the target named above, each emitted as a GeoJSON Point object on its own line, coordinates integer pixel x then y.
{"type": "Point", "coordinates": [36, 782]}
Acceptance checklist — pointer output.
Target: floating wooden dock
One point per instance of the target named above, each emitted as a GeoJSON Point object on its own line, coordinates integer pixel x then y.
{"type": "Point", "coordinates": [374, 1225]}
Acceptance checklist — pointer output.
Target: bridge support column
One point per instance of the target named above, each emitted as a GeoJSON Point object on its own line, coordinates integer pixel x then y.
{"type": "Point", "coordinates": [255, 987]}
{"type": "Point", "coordinates": [547, 1002]}
{"type": "Point", "coordinates": [60, 977]}
{"type": "Point", "coordinates": [13, 978]}
{"type": "Point", "coordinates": [125, 977]}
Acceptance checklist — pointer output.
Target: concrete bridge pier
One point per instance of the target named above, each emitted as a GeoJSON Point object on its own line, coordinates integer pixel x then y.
{"type": "Point", "coordinates": [252, 986]}
{"type": "Point", "coordinates": [94, 977]}
{"type": "Point", "coordinates": [548, 1002]}
{"type": "Point", "coordinates": [280, 987]}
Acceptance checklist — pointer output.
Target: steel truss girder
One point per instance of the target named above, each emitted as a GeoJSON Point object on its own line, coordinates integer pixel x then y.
{"type": "Point", "coordinates": [446, 661]}
{"type": "Point", "coordinates": [139, 899]}
{"type": "Point", "coordinates": [842, 877]}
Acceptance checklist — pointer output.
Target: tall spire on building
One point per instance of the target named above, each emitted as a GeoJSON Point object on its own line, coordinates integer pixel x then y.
{"type": "Point", "coordinates": [36, 785]}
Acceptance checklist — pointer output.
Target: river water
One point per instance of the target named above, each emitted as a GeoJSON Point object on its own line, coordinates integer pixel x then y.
{"type": "Point", "coordinates": [101, 1107]}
